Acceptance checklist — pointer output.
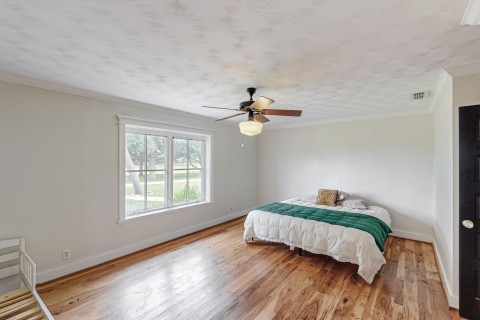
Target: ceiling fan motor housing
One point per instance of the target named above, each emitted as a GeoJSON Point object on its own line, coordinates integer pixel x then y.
{"type": "Point", "coordinates": [245, 104]}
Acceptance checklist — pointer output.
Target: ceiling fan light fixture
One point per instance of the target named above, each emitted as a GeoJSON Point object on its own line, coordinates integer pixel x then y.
{"type": "Point", "coordinates": [250, 127]}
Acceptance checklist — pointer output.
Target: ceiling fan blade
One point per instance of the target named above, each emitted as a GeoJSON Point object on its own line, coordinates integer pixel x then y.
{"type": "Point", "coordinates": [279, 112]}
{"type": "Point", "coordinates": [261, 103]}
{"type": "Point", "coordinates": [238, 114]}
{"type": "Point", "coordinates": [220, 108]}
{"type": "Point", "coordinates": [261, 118]}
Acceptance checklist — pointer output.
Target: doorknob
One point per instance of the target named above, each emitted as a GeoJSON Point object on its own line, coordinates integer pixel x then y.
{"type": "Point", "coordinates": [467, 224]}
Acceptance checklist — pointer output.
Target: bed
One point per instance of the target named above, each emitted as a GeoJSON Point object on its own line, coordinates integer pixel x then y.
{"type": "Point", "coordinates": [341, 242]}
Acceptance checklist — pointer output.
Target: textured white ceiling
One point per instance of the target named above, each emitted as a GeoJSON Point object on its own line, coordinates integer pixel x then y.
{"type": "Point", "coordinates": [333, 59]}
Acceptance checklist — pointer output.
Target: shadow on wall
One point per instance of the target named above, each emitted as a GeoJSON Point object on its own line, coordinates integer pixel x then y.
{"type": "Point", "coordinates": [401, 221]}
{"type": "Point", "coordinates": [408, 220]}
{"type": "Point", "coordinates": [405, 220]}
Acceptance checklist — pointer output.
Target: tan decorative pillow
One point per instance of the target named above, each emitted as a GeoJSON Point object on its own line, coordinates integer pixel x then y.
{"type": "Point", "coordinates": [327, 197]}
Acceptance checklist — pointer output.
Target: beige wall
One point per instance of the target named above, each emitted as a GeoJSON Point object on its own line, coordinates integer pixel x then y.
{"type": "Point", "coordinates": [59, 187]}
{"type": "Point", "coordinates": [443, 185]}
{"type": "Point", "coordinates": [386, 161]}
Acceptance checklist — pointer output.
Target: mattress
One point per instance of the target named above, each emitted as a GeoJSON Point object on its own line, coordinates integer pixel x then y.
{"type": "Point", "coordinates": [341, 243]}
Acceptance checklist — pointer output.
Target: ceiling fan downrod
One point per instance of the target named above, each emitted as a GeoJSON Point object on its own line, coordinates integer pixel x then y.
{"type": "Point", "coordinates": [251, 91]}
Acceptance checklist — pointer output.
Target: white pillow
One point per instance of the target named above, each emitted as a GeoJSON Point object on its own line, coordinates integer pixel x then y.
{"type": "Point", "coordinates": [309, 198]}
{"type": "Point", "coordinates": [354, 204]}
{"type": "Point", "coordinates": [342, 195]}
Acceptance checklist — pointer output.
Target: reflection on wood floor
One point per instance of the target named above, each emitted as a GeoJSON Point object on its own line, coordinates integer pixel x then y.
{"type": "Point", "coordinates": [213, 274]}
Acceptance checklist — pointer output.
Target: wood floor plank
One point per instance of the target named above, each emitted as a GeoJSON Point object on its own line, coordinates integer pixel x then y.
{"type": "Point", "coordinates": [430, 262]}
{"type": "Point", "coordinates": [398, 311]}
{"type": "Point", "coordinates": [310, 308]}
{"type": "Point", "coordinates": [376, 286]}
{"type": "Point", "coordinates": [213, 274]}
{"type": "Point", "coordinates": [384, 304]}
{"type": "Point", "coordinates": [401, 266]}
{"type": "Point", "coordinates": [359, 307]}
{"type": "Point", "coordinates": [348, 297]}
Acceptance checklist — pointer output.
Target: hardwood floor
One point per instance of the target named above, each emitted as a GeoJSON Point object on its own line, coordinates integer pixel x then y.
{"type": "Point", "coordinates": [213, 274]}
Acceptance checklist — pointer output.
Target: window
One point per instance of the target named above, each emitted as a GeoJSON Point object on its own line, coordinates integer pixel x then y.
{"type": "Point", "coordinates": [187, 170]}
{"type": "Point", "coordinates": [163, 168]}
{"type": "Point", "coordinates": [144, 172]}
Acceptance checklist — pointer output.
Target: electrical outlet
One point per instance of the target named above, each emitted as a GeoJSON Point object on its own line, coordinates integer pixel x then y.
{"type": "Point", "coordinates": [66, 254]}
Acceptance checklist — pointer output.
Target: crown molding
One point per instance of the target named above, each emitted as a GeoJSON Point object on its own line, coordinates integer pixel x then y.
{"type": "Point", "coordinates": [348, 119]}
{"type": "Point", "coordinates": [472, 14]}
{"type": "Point", "coordinates": [464, 69]}
{"type": "Point", "coordinates": [440, 88]}
{"type": "Point", "coordinates": [60, 88]}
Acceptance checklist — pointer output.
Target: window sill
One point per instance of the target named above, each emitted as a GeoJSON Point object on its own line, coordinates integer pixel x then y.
{"type": "Point", "coordinates": [165, 211]}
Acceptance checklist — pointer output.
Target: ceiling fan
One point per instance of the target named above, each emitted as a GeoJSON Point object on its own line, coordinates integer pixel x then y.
{"type": "Point", "coordinates": [256, 113]}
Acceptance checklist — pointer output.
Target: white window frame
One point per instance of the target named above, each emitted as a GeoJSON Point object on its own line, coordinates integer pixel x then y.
{"type": "Point", "coordinates": [137, 125]}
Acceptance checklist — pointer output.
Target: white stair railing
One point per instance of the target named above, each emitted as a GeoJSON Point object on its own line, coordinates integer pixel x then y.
{"type": "Point", "coordinates": [26, 268]}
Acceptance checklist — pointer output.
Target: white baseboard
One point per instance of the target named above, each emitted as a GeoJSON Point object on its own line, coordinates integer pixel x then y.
{"type": "Point", "coordinates": [113, 254]}
{"type": "Point", "coordinates": [453, 300]}
{"type": "Point", "coordinates": [412, 235]}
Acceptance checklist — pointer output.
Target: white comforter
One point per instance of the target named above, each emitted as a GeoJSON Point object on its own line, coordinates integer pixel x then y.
{"type": "Point", "coordinates": [342, 243]}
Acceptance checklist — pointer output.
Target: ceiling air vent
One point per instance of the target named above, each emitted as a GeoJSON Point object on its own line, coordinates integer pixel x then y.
{"type": "Point", "coordinates": [419, 95]}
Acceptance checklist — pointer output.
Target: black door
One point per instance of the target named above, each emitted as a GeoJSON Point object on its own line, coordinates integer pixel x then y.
{"type": "Point", "coordinates": [469, 127]}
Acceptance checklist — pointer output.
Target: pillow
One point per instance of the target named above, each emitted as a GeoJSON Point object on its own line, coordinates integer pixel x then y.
{"type": "Point", "coordinates": [354, 204]}
{"type": "Point", "coordinates": [327, 197]}
{"type": "Point", "coordinates": [342, 195]}
{"type": "Point", "coordinates": [309, 198]}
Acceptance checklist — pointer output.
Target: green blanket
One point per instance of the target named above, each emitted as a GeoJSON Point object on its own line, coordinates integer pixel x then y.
{"type": "Point", "coordinates": [376, 227]}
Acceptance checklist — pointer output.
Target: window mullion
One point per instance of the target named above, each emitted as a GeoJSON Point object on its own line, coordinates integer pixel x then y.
{"type": "Point", "coordinates": [169, 171]}
{"type": "Point", "coordinates": [122, 169]}
{"type": "Point", "coordinates": [188, 170]}
{"type": "Point", "coordinates": [145, 177]}
{"type": "Point", "coordinates": [202, 172]}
